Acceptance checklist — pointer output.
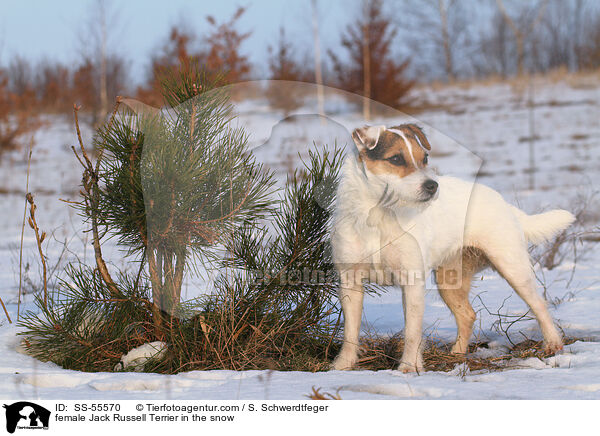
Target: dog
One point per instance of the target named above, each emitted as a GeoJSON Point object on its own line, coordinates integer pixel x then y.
{"type": "Point", "coordinates": [393, 213]}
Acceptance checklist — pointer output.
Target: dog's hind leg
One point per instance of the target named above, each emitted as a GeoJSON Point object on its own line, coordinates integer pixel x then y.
{"type": "Point", "coordinates": [514, 265]}
{"type": "Point", "coordinates": [454, 283]}
{"type": "Point", "coordinates": [351, 294]}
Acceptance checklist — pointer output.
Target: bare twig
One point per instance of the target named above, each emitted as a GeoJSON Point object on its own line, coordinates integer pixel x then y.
{"type": "Point", "coordinates": [23, 231]}
{"type": "Point", "coordinates": [508, 320]}
{"type": "Point", "coordinates": [5, 311]}
{"type": "Point", "coordinates": [91, 198]}
{"type": "Point", "coordinates": [39, 239]}
{"type": "Point", "coordinates": [316, 394]}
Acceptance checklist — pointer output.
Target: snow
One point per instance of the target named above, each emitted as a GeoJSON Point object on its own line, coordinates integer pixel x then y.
{"type": "Point", "coordinates": [480, 128]}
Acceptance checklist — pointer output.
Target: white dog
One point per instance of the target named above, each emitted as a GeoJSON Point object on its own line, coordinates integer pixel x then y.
{"type": "Point", "coordinates": [394, 216]}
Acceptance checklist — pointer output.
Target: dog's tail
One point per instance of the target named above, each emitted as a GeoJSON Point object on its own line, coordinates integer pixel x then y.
{"type": "Point", "coordinates": [544, 226]}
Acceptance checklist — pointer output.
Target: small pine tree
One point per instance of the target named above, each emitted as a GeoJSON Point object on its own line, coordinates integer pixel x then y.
{"type": "Point", "coordinates": [174, 184]}
{"type": "Point", "coordinates": [178, 181]}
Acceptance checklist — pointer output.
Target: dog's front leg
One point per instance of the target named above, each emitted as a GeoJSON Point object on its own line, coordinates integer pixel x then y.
{"type": "Point", "coordinates": [413, 302]}
{"type": "Point", "coordinates": [351, 296]}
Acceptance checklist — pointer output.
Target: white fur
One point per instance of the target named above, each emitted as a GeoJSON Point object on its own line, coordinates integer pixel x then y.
{"type": "Point", "coordinates": [369, 135]}
{"type": "Point", "coordinates": [416, 237]}
{"type": "Point", "coordinates": [136, 358]}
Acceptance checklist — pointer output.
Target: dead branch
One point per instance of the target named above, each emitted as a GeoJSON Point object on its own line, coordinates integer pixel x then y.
{"type": "Point", "coordinates": [504, 322]}
{"type": "Point", "coordinates": [91, 194]}
{"type": "Point", "coordinates": [39, 238]}
{"type": "Point", "coordinates": [5, 311]}
{"type": "Point", "coordinates": [23, 231]}
{"type": "Point", "coordinates": [317, 395]}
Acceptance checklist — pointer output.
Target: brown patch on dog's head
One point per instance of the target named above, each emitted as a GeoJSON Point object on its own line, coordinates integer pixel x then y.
{"type": "Point", "coordinates": [399, 150]}
{"type": "Point", "coordinates": [417, 133]}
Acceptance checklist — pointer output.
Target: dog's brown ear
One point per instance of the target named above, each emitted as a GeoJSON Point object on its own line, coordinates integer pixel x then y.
{"type": "Point", "coordinates": [421, 138]}
{"type": "Point", "coordinates": [366, 137]}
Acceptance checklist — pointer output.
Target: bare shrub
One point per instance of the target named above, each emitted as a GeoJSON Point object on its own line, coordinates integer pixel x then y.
{"type": "Point", "coordinates": [283, 66]}
{"type": "Point", "coordinates": [18, 120]}
{"type": "Point", "coordinates": [217, 54]}
{"type": "Point", "coordinates": [223, 56]}
{"type": "Point", "coordinates": [569, 244]}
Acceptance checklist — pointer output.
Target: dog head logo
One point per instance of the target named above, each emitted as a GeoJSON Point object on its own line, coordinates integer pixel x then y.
{"type": "Point", "coordinates": [26, 415]}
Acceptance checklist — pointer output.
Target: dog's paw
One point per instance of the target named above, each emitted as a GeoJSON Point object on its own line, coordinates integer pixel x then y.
{"type": "Point", "coordinates": [552, 347]}
{"type": "Point", "coordinates": [459, 349]}
{"type": "Point", "coordinates": [343, 363]}
{"type": "Point", "coordinates": [408, 367]}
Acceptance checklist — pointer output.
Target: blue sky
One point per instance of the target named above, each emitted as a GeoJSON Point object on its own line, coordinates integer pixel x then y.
{"type": "Point", "coordinates": [38, 29]}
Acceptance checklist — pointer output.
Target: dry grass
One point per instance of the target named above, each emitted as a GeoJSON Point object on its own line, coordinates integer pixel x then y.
{"type": "Point", "coordinates": [585, 79]}
{"type": "Point", "coordinates": [381, 353]}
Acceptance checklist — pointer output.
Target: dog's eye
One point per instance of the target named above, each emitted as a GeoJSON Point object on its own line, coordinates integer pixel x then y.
{"type": "Point", "coordinates": [425, 159]}
{"type": "Point", "coordinates": [397, 159]}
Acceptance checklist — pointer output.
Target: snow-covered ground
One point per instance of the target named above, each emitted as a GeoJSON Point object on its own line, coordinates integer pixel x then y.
{"type": "Point", "coordinates": [481, 130]}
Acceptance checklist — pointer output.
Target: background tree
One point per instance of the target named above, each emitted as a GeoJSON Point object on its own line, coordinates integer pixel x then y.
{"type": "Point", "coordinates": [175, 55]}
{"type": "Point", "coordinates": [366, 54]}
{"type": "Point", "coordinates": [18, 117]}
{"type": "Point", "coordinates": [579, 30]}
{"type": "Point", "coordinates": [438, 31]}
{"type": "Point", "coordinates": [559, 38]}
{"type": "Point", "coordinates": [284, 66]}
{"type": "Point", "coordinates": [527, 16]}
{"type": "Point", "coordinates": [85, 86]}
{"type": "Point", "coordinates": [218, 54]}
{"type": "Point", "coordinates": [388, 82]}
{"type": "Point", "coordinates": [54, 86]}
{"type": "Point", "coordinates": [496, 48]}
{"type": "Point", "coordinates": [317, 58]}
{"type": "Point", "coordinates": [20, 75]}
{"type": "Point", "coordinates": [223, 55]}
{"type": "Point", "coordinates": [102, 72]}
{"type": "Point", "coordinates": [590, 46]}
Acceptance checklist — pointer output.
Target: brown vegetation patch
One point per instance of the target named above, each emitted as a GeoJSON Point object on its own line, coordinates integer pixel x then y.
{"type": "Point", "coordinates": [579, 136]}
{"type": "Point", "coordinates": [382, 353]}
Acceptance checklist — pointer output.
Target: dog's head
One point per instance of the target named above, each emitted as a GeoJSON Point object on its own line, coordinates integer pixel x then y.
{"type": "Point", "coordinates": [396, 157]}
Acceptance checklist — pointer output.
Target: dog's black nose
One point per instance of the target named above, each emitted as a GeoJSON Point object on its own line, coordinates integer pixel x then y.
{"type": "Point", "coordinates": [430, 186]}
